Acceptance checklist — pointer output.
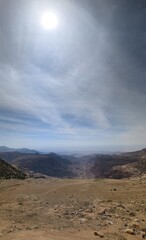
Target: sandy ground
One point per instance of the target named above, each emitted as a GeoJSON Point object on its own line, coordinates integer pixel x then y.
{"type": "Point", "coordinates": [55, 209]}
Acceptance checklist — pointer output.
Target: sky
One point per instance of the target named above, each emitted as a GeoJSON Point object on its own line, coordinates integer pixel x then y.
{"type": "Point", "coordinates": [80, 86]}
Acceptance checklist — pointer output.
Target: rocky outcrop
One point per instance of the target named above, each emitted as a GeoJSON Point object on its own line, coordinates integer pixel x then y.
{"type": "Point", "coordinates": [7, 171]}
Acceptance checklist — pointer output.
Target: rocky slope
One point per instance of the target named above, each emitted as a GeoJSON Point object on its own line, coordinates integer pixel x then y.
{"type": "Point", "coordinates": [51, 165]}
{"type": "Point", "coordinates": [7, 171]}
{"type": "Point", "coordinates": [131, 164]}
{"type": "Point", "coordinates": [11, 156]}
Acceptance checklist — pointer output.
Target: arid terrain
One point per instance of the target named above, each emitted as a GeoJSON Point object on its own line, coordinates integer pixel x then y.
{"type": "Point", "coordinates": [66, 209]}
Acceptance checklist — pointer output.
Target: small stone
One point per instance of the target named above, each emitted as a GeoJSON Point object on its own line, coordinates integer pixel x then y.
{"type": "Point", "coordinates": [136, 220]}
{"type": "Point", "coordinates": [99, 234]}
{"type": "Point", "coordinates": [102, 211]}
{"type": "Point", "coordinates": [132, 214]}
{"type": "Point", "coordinates": [135, 225]}
{"type": "Point", "coordinates": [129, 231]}
{"type": "Point", "coordinates": [109, 223]}
{"type": "Point", "coordinates": [83, 220]}
{"type": "Point", "coordinates": [35, 227]}
{"type": "Point", "coordinates": [10, 230]}
{"type": "Point", "coordinates": [143, 234]}
{"type": "Point", "coordinates": [104, 217]}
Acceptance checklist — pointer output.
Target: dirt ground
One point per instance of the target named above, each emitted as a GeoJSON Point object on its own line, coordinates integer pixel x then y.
{"type": "Point", "coordinates": [65, 209]}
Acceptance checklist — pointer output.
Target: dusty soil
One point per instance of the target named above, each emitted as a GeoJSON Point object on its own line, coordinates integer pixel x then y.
{"type": "Point", "coordinates": [55, 209]}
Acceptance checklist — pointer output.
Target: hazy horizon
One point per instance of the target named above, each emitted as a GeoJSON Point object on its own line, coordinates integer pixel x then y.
{"type": "Point", "coordinates": [83, 151]}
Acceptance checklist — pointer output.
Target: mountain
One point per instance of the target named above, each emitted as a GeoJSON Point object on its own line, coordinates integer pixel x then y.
{"type": "Point", "coordinates": [91, 166]}
{"type": "Point", "coordinates": [21, 150]}
{"type": "Point", "coordinates": [123, 165]}
{"type": "Point", "coordinates": [51, 165]}
{"type": "Point", "coordinates": [7, 171]}
{"type": "Point", "coordinates": [130, 164]}
{"type": "Point", "coordinates": [11, 156]}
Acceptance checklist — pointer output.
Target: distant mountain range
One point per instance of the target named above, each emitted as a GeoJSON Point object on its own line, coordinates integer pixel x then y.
{"type": "Point", "coordinates": [21, 150]}
{"type": "Point", "coordinates": [122, 165]}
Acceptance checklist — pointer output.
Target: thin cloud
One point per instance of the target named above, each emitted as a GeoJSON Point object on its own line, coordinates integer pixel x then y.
{"type": "Point", "coordinates": [84, 83]}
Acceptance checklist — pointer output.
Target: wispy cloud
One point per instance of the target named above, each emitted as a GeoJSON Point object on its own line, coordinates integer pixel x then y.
{"type": "Point", "coordinates": [79, 85]}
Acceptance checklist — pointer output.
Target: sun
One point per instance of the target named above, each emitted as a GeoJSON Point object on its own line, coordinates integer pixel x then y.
{"type": "Point", "coordinates": [49, 20]}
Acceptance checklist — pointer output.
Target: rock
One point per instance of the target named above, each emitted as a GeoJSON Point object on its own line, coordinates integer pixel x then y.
{"type": "Point", "coordinates": [19, 228]}
{"type": "Point", "coordinates": [132, 214]}
{"type": "Point", "coordinates": [135, 225]}
{"type": "Point", "coordinates": [10, 230]}
{"type": "Point", "coordinates": [136, 220]}
{"type": "Point", "coordinates": [102, 211]}
{"type": "Point", "coordinates": [83, 220]}
{"type": "Point", "coordinates": [99, 234]}
{"type": "Point", "coordinates": [35, 227]}
{"type": "Point", "coordinates": [129, 231]}
{"type": "Point", "coordinates": [143, 234]}
{"type": "Point", "coordinates": [109, 223]}
{"type": "Point", "coordinates": [104, 217]}
{"type": "Point", "coordinates": [121, 206]}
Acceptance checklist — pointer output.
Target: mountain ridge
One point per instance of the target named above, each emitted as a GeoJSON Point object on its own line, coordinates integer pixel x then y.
{"type": "Point", "coordinates": [123, 165]}
{"type": "Point", "coordinates": [21, 150]}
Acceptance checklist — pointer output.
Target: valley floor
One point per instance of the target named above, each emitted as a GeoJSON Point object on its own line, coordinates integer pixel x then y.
{"type": "Point", "coordinates": [65, 209]}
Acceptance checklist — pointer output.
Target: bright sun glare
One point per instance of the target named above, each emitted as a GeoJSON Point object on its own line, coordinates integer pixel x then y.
{"type": "Point", "coordinates": [49, 20]}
